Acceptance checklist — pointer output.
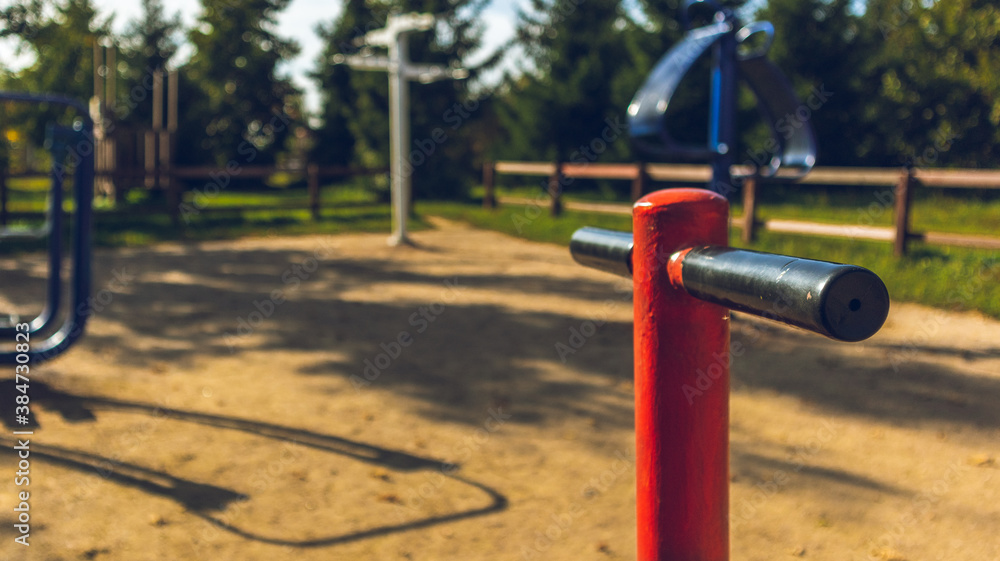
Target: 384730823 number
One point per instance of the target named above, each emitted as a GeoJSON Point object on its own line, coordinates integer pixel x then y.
{"type": "Point", "coordinates": [22, 346]}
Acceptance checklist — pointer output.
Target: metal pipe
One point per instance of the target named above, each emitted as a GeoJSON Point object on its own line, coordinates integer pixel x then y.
{"type": "Point", "coordinates": [843, 302]}
{"type": "Point", "coordinates": [722, 127]}
{"type": "Point", "coordinates": [605, 250]}
{"type": "Point", "coordinates": [80, 140]}
{"type": "Point", "coordinates": [399, 112]}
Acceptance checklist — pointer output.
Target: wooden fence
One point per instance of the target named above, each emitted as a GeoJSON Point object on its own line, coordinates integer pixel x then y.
{"type": "Point", "coordinates": [169, 180]}
{"type": "Point", "coordinates": [901, 181]}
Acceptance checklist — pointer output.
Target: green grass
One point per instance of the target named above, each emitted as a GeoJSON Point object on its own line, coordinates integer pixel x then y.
{"type": "Point", "coordinates": [123, 230]}
{"type": "Point", "coordinates": [345, 208]}
{"type": "Point", "coordinates": [948, 277]}
{"type": "Point", "coordinates": [937, 210]}
{"type": "Point", "coordinates": [958, 211]}
{"type": "Point", "coordinates": [954, 278]}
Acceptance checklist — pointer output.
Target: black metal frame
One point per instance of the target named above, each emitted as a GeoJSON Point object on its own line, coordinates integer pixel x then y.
{"type": "Point", "coordinates": [62, 141]}
{"type": "Point", "coordinates": [775, 100]}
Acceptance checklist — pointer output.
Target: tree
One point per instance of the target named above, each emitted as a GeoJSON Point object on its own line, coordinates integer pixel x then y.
{"type": "Point", "coordinates": [822, 46]}
{"type": "Point", "coordinates": [62, 47]}
{"type": "Point", "coordinates": [335, 140]}
{"type": "Point", "coordinates": [239, 111]}
{"type": "Point", "coordinates": [937, 77]}
{"type": "Point", "coordinates": [21, 19]}
{"type": "Point", "coordinates": [147, 46]}
{"type": "Point", "coordinates": [565, 99]}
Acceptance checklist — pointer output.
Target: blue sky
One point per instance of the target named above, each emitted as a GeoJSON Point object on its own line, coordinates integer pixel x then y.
{"type": "Point", "coordinates": [296, 22]}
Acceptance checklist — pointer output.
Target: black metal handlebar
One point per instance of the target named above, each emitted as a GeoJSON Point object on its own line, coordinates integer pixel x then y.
{"type": "Point", "coordinates": [843, 302]}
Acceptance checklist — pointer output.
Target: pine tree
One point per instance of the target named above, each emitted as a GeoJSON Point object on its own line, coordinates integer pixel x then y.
{"type": "Point", "coordinates": [564, 99]}
{"type": "Point", "coordinates": [335, 139]}
{"type": "Point", "coordinates": [147, 46]}
{"type": "Point", "coordinates": [240, 108]}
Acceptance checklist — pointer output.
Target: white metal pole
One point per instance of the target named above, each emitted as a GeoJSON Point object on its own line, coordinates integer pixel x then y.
{"type": "Point", "coordinates": [398, 127]}
{"type": "Point", "coordinates": [396, 112]}
{"type": "Point", "coordinates": [394, 37]}
{"type": "Point", "coordinates": [405, 166]}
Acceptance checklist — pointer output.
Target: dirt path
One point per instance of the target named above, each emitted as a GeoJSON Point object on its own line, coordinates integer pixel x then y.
{"type": "Point", "coordinates": [208, 416]}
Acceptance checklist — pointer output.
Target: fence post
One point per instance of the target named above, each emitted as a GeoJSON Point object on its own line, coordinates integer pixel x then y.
{"type": "Point", "coordinates": [902, 212]}
{"type": "Point", "coordinates": [489, 174]}
{"type": "Point", "coordinates": [749, 208]}
{"type": "Point", "coordinates": [681, 384]}
{"type": "Point", "coordinates": [149, 159]}
{"type": "Point", "coordinates": [312, 171]}
{"type": "Point", "coordinates": [173, 187]}
{"type": "Point", "coordinates": [3, 197]}
{"type": "Point", "coordinates": [555, 189]}
{"type": "Point", "coordinates": [640, 181]}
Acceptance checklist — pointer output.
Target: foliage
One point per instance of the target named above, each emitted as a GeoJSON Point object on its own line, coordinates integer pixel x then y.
{"type": "Point", "coordinates": [570, 91]}
{"type": "Point", "coordinates": [63, 47]}
{"type": "Point", "coordinates": [342, 128]}
{"type": "Point", "coordinates": [938, 81]}
{"type": "Point", "coordinates": [21, 19]}
{"type": "Point", "coordinates": [912, 82]}
{"type": "Point", "coordinates": [147, 46]}
{"type": "Point", "coordinates": [242, 102]}
{"type": "Point", "coordinates": [821, 45]}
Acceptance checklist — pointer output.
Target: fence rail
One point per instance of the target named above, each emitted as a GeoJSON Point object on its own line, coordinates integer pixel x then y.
{"type": "Point", "coordinates": [168, 180]}
{"type": "Point", "coordinates": [902, 181]}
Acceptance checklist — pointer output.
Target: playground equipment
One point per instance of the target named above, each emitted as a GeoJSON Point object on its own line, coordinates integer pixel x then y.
{"type": "Point", "coordinates": [74, 143]}
{"type": "Point", "coordinates": [394, 36]}
{"type": "Point", "coordinates": [795, 145]}
{"type": "Point", "coordinates": [686, 281]}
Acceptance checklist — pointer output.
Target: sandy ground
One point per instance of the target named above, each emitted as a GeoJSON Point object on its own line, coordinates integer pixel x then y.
{"type": "Point", "coordinates": [208, 416]}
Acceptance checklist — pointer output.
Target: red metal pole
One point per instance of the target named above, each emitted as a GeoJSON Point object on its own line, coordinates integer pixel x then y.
{"type": "Point", "coordinates": [681, 384]}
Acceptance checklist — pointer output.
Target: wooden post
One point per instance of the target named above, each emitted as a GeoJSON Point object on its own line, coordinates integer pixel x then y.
{"type": "Point", "coordinates": [164, 171]}
{"type": "Point", "coordinates": [903, 201]}
{"type": "Point", "coordinates": [158, 127]}
{"type": "Point", "coordinates": [174, 199]}
{"type": "Point", "coordinates": [172, 88]}
{"type": "Point", "coordinates": [3, 197]}
{"type": "Point", "coordinates": [98, 63]}
{"type": "Point", "coordinates": [97, 113]}
{"type": "Point", "coordinates": [149, 158]}
{"type": "Point", "coordinates": [749, 208]}
{"type": "Point", "coordinates": [312, 171]}
{"type": "Point", "coordinates": [109, 142]}
{"type": "Point", "coordinates": [489, 176]}
{"type": "Point", "coordinates": [111, 77]}
{"type": "Point", "coordinates": [168, 141]}
{"type": "Point", "coordinates": [167, 133]}
{"type": "Point", "coordinates": [555, 189]}
{"type": "Point", "coordinates": [640, 181]}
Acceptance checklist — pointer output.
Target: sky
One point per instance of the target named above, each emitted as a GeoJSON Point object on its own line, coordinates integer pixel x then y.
{"type": "Point", "coordinates": [297, 22]}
